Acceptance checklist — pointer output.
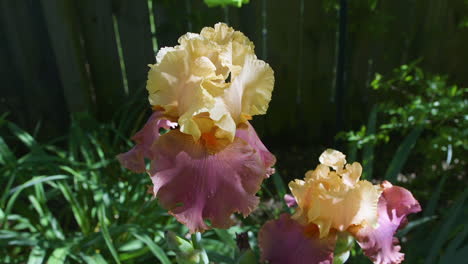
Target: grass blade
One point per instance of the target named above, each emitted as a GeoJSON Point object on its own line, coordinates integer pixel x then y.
{"type": "Point", "coordinates": [226, 237]}
{"type": "Point", "coordinates": [279, 185]}
{"type": "Point", "coordinates": [368, 149]}
{"type": "Point", "coordinates": [444, 230]}
{"type": "Point", "coordinates": [402, 153]}
{"type": "Point", "coordinates": [78, 212]}
{"type": "Point", "coordinates": [58, 256]}
{"type": "Point", "coordinates": [22, 135]}
{"type": "Point", "coordinates": [37, 255]}
{"type": "Point", "coordinates": [432, 204]}
{"type": "Point", "coordinates": [154, 248]}
{"type": "Point", "coordinates": [95, 259]}
{"type": "Point", "coordinates": [6, 156]}
{"type": "Point", "coordinates": [105, 232]}
{"type": "Point", "coordinates": [36, 180]}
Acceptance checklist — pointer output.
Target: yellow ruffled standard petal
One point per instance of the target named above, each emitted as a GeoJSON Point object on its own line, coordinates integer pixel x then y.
{"type": "Point", "coordinates": [333, 158]}
{"type": "Point", "coordinates": [250, 92]}
{"type": "Point", "coordinates": [335, 199]}
{"type": "Point", "coordinates": [213, 75]}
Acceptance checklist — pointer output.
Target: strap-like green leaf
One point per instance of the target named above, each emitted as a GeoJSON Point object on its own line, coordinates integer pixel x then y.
{"type": "Point", "coordinates": [402, 153]}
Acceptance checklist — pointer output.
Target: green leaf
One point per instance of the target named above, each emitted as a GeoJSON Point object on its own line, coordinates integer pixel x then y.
{"type": "Point", "coordinates": [58, 256]}
{"type": "Point", "coordinates": [12, 238]}
{"type": "Point", "coordinates": [237, 3]}
{"type": "Point", "coordinates": [78, 212]}
{"type": "Point", "coordinates": [6, 156]}
{"type": "Point", "coordinates": [226, 237]}
{"type": "Point", "coordinates": [95, 259]}
{"type": "Point", "coordinates": [402, 153]}
{"type": "Point", "coordinates": [451, 253]}
{"type": "Point", "coordinates": [445, 228]}
{"type": "Point", "coordinates": [22, 135]}
{"type": "Point", "coordinates": [248, 257]}
{"type": "Point", "coordinates": [37, 180]}
{"type": "Point", "coordinates": [432, 204]}
{"type": "Point", "coordinates": [368, 149]}
{"type": "Point", "coordinates": [155, 249]}
{"type": "Point", "coordinates": [415, 223]}
{"type": "Point", "coordinates": [105, 232]}
{"type": "Point", "coordinates": [185, 251]}
{"type": "Point", "coordinates": [37, 255]}
{"type": "Point", "coordinates": [279, 185]}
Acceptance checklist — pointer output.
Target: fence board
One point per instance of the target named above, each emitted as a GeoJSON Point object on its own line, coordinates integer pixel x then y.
{"type": "Point", "coordinates": [135, 37]}
{"type": "Point", "coordinates": [102, 54]}
{"type": "Point", "coordinates": [171, 18]}
{"type": "Point", "coordinates": [33, 60]}
{"type": "Point", "coordinates": [69, 54]}
{"type": "Point", "coordinates": [10, 97]}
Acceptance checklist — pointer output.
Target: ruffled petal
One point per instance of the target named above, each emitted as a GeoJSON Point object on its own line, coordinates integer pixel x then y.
{"type": "Point", "coordinates": [379, 244]}
{"type": "Point", "coordinates": [196, 185]}
{"type": "Point", "coordinates": [213, 75]}
{"type": "Point", "coordinates": [135, 158]}
{"type": "Point", "coordinates": [335, 199]}
{"type": "Point", "coordinates": [331, 204]}
{"type": "Point", "coordinates": [247, 133]}
{"type": "Point", "coordinates": [290, 200]}
{"type": "Point", "coordinates": [250, 92]}
{"type": "Point", "coordinates": [286, 241]}
{"type": "Point", "coordinates": [333, 158]}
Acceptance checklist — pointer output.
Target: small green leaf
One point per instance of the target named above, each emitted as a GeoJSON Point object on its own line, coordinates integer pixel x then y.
{"type": "Point", "coordinates": [226, 237]}
{"type": "Point", "coordinates": [95, 259]}
{"type": "Point", "coordinates": [58, 256]}
{"type": "Point", "coordinates": [37, 255]}
{"type": "Point", "coordinates": [105, 232]}
{"type": "Point", "coordinates": [279, 185]}
{"type": "Point", "coordinates": [248, 257]}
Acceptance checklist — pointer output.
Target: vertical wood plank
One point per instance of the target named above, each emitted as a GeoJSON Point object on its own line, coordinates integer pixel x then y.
{"type": "Point", "coordinates": [102, 55]}
{"type": "Point", "coordinates": [33, 59]}
{"type": "Point", "coordinates": [171, 21]}
{"type": "Point", "coordinates": [65, 38]}
{"type": "Point", "coordinates": [135, 38]}
{"type": "Point", "coordinates": [11, 97]}
{"type": "Point", "coordinates": [205, 16]}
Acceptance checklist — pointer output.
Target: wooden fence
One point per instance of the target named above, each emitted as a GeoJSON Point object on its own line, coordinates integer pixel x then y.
{"type": "Point", "coordinates": [64, 56]}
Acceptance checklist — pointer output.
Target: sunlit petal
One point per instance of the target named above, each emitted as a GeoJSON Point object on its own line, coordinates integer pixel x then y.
{"type": "Point", "coordinates": [214, 75]}
{"type": "Point", "coordinates": [379, 244]}
{"type": "Point", "coordinates": [333, 158]}
{"type": "Point", "coordinates": [196, 185]}
{"type": "Point", "coordinates": [335, 199]}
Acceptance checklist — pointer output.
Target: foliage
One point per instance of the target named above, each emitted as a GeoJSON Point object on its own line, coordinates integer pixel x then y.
{"type": "Point", "coordinates": [237, 3]}
{"type": "Point", "coordinates": [413, 99]}
{"type": "Point", "coordinates": [69, 201]}
{"type": "Point", "coordinates": [419, 124]}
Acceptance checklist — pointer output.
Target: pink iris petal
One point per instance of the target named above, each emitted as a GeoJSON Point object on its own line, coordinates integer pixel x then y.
{"type": "Point", "coordinates": [195, 184]}
{"type": "Point", "coordinates": [134, 159]}
{"type": "Point", "coordinates": [379, 244]}
{"type": "Point", "coordinates": [286, 241]}
{"type": "Point", "coordinates": [250, 136]}
{"type": "Point", "coordinates": [290, 200]}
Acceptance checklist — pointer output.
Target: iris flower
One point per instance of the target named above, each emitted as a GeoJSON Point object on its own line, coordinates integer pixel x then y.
{"type": "Point", "coordinates": [332, 201]}
{"type": "Point", "coordinates": [211, 162]}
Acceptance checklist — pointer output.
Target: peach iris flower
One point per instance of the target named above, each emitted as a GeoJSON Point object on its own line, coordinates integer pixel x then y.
{"type": "Point", "coordinates": [332, 200]}
{"type": "Point", "coordinates": [211, 163]}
